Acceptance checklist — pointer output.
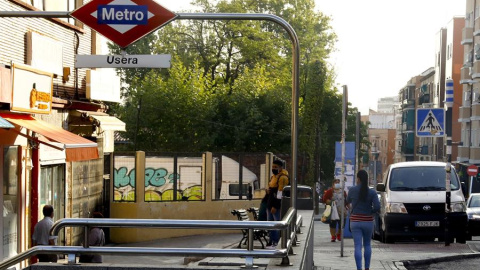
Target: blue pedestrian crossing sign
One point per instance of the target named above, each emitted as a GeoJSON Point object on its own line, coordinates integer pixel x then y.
{"type": "Point", "coordinates": [430, 122]}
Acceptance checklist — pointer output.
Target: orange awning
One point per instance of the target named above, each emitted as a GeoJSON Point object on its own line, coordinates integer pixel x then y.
{"type": "Point", "coordinates": [77, 148]}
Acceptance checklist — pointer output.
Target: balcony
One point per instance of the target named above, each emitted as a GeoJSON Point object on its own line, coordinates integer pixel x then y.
{"type": "Point", "coordinates": [465, 77]}
{"type": "Point", "coordinates": [464, 114]}
{"type": "Point", "coordinates": [477, 28]}
{"type": "Point", "coordinates": [467, 35]}
{"type": "Point", "coordinates": [475, 112]}
{"type": "Point", "coordinates": [422, 150]}
{"type": "Point", "coordinates": [468, 59]}
{"type": "Point", "coordinates": [474, 155]}
{"type": "Point", "coordinates": [408, 103]}
{"type": "Point", "coordinates": [406, 127]}
{"type": "Point", "coordinates": [424, 98]}
{"type": "Point", "coordinates": [475, 72]}
{"type": "Point", "coordinates": [407, 150]}
{"type": "Point", "coordinates": [463, 153]}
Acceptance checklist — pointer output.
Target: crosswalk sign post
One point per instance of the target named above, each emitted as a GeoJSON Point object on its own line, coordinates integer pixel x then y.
{"type": "Point", "coordinates": [430, 122]}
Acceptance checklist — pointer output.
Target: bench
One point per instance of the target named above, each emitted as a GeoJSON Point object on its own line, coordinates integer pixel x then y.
{"type": "Point", "coordinates": [242, 215]}
{"type": "Point", "coordinates": [254, 211]}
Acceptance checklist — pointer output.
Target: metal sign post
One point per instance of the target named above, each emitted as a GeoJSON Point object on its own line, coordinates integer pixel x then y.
{"type": "Point", "coordinates": [448, 169]}
{"type": "Point", "coordinates": [343, 178]}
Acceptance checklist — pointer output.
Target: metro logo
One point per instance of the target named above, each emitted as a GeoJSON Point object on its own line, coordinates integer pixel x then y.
{"type": "Point", "coordinates": [123, 21]}
{"type": "Point", "coordinates": [122, 14]}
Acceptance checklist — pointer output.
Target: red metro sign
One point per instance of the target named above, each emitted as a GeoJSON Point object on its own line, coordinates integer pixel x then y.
{"type": "Point", "coordinates": [123, 21]}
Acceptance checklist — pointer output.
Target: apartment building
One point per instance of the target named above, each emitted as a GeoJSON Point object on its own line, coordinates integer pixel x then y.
{"type": "Point", "coordinates": [387, 104]}
{"type": "Point", "coordinates": [427, 91]}
{"type": "Point", "coordinates": [381, 133]}
{"type": "Point", "coordinates": [54, 129]}
{"type": "Point", "coordinates": [469, 97]}
{"type": "Point", "coordinates": [426, 149]}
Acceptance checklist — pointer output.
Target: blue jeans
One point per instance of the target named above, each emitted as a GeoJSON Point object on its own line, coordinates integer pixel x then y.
{"type": "Point", "coordinates": [362, 233]}
{"type": "Point", "coordinates": [274, 234]}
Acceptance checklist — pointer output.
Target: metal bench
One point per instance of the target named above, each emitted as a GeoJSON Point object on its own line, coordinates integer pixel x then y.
{"type": "Point", "coordinates": [254, 211]}
{"type": "Point", "coordinates": [242, 215]}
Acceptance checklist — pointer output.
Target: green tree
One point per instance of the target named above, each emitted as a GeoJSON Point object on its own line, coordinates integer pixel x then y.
{"type": "Point", "coordinates": [230, 82]}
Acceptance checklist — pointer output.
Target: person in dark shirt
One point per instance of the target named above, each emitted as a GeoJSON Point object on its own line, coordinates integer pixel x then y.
{"type": "Point", "coordinates": [96, 237]}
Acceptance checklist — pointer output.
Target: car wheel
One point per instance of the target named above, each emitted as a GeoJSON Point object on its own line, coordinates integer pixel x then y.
{"type": "Point", "coordinates": [462, 239]}
{"type": "Point", "coordinates": [468, 237]}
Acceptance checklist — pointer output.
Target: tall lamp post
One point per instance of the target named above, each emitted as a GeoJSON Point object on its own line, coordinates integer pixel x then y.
{"type": "Point", "coordinates": [375, 153]}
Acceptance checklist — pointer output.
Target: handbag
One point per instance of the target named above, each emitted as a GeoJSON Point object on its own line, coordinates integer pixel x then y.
{"type": "Point", "coordinates": [334, 215]}
{"type": "Point", "coordinates": [327, 214]}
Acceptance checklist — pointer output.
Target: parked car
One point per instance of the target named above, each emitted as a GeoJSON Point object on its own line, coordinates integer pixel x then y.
{"type": "Point", "coordinates": [473, 213]}
{"type": "Point", "coordinates": [413, 203]}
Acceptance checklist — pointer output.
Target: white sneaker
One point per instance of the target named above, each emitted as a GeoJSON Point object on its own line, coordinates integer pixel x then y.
{"type": "Point", "coordinates": [271, 247]}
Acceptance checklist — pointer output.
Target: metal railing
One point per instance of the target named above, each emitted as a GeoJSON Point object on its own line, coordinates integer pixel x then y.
{"type": "Point", "coordinates": [286, 225]}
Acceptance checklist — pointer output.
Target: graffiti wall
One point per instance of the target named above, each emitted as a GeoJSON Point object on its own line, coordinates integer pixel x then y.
{"type": "Point", "coordinates": [163, 182]}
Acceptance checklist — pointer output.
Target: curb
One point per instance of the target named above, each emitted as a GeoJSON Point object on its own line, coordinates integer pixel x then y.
{"type": "Point", "coordinates": [438, 260]}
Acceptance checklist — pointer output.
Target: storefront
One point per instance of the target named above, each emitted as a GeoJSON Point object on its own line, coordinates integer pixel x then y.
{"type": "Point", "coordinates": [39, 158]}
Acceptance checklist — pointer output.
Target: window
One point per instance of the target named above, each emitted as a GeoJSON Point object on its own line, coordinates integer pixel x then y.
{"type": "Point", "coordinates": [9, 197]}
{"type": "Point", "coordinates": [55, 5]}
{"type": "Point", "coordinates": [475, 137]}
{"type": "Point", "coordinates": [234, 189]}
{"type": "Point", "coordinates": [476, 96]}
{"type": "Point", "coordinates": [421, 178]}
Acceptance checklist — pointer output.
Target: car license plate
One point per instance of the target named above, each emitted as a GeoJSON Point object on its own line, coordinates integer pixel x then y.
{"type": "Point", "coordinates": [427, 223]}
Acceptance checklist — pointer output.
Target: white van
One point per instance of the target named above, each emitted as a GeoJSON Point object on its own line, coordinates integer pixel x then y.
{"type": "Point", "coordinates": [412, 199]}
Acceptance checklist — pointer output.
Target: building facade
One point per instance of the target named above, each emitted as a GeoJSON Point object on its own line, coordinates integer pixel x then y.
{"type": "Point", "coordinates": [427, 91]}
{"type": "Point", "coordinates": [381, 132]}
{"type": "Point", "coordinates": [54, 132]}
{"type": "Point", "coordinates": [387, 104]}
{"type": "Point", "coordinates": [469, 96]}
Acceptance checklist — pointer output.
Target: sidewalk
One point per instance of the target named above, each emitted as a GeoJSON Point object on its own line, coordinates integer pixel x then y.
{"type": "Point", "coordinates": [384, 256]}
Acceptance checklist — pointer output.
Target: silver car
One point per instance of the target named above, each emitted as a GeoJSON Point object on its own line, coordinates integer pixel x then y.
{"type": "Point", "coordinates": [473, 213]}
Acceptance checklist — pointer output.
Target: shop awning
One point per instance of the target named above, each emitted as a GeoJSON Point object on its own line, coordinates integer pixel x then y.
{"type": "Point", "coordinates": [5, 124]}
{"type": "Point", "coordinates": [77, 148]}
{"type": "Point", "coordinates": [102, 120]}
{"type": "Point", "coordinates": [109, 122]}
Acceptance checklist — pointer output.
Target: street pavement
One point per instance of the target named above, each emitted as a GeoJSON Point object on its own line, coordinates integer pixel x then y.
{"type": "Point", "coordinates": [327, 255]}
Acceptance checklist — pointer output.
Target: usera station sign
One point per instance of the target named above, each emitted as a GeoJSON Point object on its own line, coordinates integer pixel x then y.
{"type": "Point", "coordinates": [123, 21]}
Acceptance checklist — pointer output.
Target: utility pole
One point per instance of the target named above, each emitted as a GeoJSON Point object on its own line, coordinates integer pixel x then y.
{"type": "Point", "coordinates": [342, 181]}
{"type": "Point", "coordinates": [448, 168]}
{"type": "Point", "coordinates": [357, 144]}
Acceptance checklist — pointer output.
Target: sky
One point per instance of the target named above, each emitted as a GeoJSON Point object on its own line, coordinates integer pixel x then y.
{"type": "Point", "coordinates": [381, 43]}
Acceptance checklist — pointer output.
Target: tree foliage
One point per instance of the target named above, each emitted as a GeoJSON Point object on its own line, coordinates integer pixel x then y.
{"type": "Point", "coordinates": [230, 84]}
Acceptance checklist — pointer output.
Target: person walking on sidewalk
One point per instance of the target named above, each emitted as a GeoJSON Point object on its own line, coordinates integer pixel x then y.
{"type": "Point", "coordinates": [364, 204]}
{"type": "Point", "coordinates": [277, 182]}
{"type": "Point", "coordinates": [333, 197]}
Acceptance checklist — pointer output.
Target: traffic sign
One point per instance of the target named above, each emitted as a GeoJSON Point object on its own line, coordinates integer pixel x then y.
{"type": "Point", "coordinates": [472, 170]}
{"type": "Point", "coordinates": [430, 122]}
{"type": "Point", "coordinates": [123, 21]}
{"type": "Point", "coordinates": [123, 61]}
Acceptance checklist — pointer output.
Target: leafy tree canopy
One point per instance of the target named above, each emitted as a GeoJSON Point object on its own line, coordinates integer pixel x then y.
{"type": "Point", "coordinates": [229, 87]}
